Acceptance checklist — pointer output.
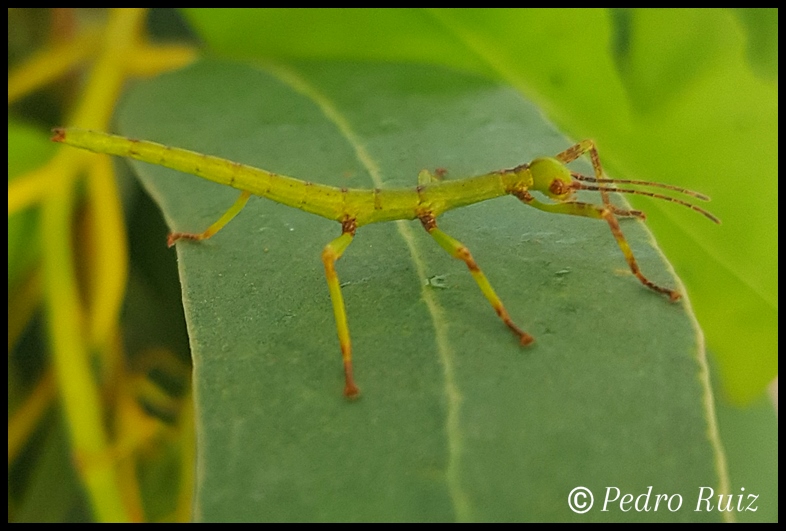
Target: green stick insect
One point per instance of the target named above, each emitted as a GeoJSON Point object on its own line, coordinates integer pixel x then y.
{"type": "Point", "coordinates": [353, 208]}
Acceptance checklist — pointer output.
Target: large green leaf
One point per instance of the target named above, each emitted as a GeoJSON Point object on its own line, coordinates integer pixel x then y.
{"type": "Point", "coordinates": [684, 96]}
{"type": "Point", "coordinates": [456, 420]}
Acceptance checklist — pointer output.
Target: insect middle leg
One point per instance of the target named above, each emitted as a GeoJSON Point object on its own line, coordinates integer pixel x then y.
{"type": "Point", "coordinates": [215, 227]}
{"type": "Point", "coordinates": [330, 254]}
{"type": "Point", "coordinates": [458, 250]}
{"type": "Point", "coordinates": [575, 208]}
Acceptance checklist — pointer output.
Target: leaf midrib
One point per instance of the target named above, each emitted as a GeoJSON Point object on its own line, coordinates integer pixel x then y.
{"type": "Point", "coordinates": [445, 351]}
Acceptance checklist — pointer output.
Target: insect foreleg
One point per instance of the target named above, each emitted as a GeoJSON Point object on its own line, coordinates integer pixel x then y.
{"type": "Point", "coordinates": [577, 150]}
{"type": "Point", "coordinates": [215, 227]}
{"type": "Point", "coordinates": [626, 213]}
{"type": "Point", "coordinates": [458, 250]}
{"type": "Point", "coordinates": [600, 212]}
{"type": "Point", "coordinates": [330, 254]}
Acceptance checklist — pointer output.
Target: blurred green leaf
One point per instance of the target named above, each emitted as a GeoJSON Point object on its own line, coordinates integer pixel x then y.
{"type": "Point", "coordinates": [761, 26]}
{"type": "Point", "coordinates": [456, 420]}
{"type": "Point", "coordinates": [28, 148]}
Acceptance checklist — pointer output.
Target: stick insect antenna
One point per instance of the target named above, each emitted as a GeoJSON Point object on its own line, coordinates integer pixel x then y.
{"type": "Point", "coordinates": [698, 195]}
{"type": "Point", "coordinates": [577, 185]}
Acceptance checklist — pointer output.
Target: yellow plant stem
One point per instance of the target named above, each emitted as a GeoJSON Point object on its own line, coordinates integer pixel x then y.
{"type": "Point", "coordinates": [109, 252]}
{"type": "Point", "coordinates": [79, 389]}
{"type": "Point", "coordinates": [25, 418]}
{"type": "Point", "coordinates": [51, 63]}
{"type": "Point", "coordinates": [76, 333]}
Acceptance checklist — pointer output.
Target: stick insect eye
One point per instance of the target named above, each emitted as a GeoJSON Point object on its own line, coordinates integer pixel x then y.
{"type": "Point", "coordinates": [560, 188]}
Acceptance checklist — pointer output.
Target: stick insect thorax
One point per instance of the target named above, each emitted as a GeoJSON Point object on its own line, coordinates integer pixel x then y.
{"type": "Point", "coordinates": [432, 197]}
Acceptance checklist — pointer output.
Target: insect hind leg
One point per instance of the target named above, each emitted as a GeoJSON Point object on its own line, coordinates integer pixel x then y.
{"type": "Point", "coordinates": [233, 211]}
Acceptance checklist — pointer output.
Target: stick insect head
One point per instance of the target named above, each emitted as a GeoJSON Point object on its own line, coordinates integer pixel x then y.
{"type": "Point", "coordinates": [552, 178]}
